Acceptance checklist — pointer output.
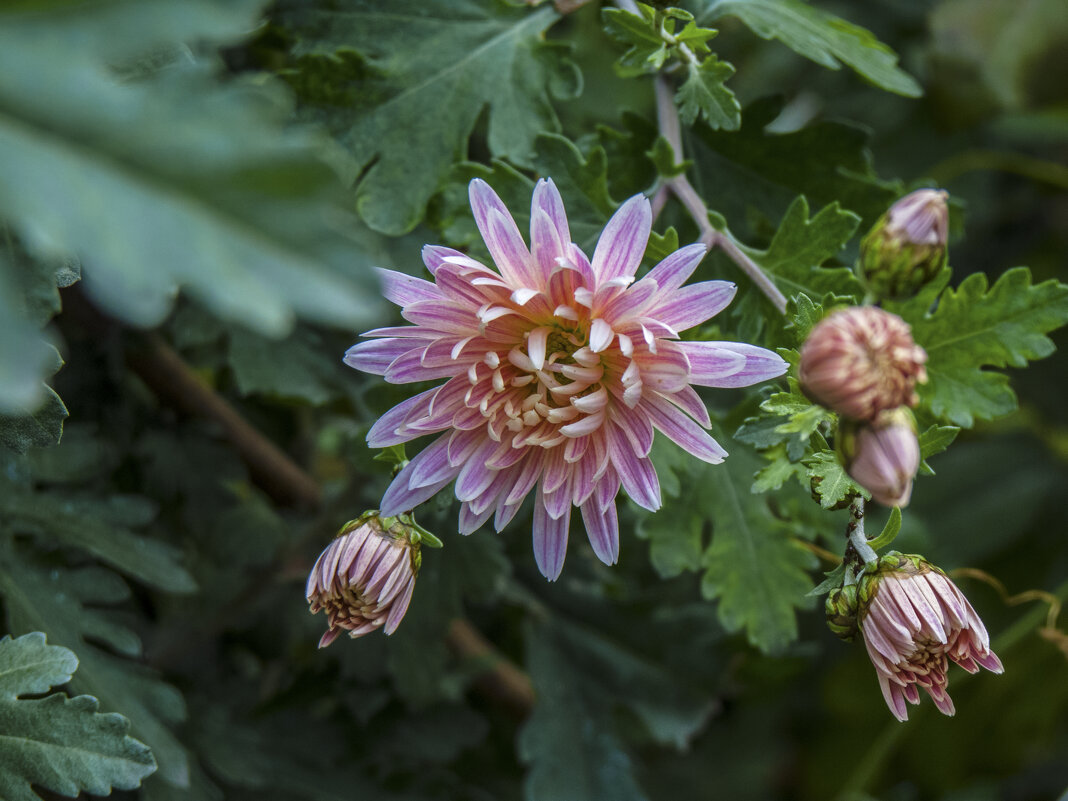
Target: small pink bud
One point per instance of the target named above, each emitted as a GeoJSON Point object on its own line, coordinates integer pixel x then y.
{"type": "Point", "coordinates": [883, 455]}
{"type": "Point", "coordinates": [365, 577]}
{"type": "Point", "coordinates": [861, 361]}
{"type": "Point", "coordinates": [915, 621]}
{"type": "Point", "coordinates": [906, 248]}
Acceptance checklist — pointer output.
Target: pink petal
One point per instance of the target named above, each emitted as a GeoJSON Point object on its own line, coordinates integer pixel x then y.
{"type": "Point", "coordinates": [673, 271]}
{"type": "Point", "coordinates": [636, 473]}
{"type": "Point", "coordinates": [692, 305]}
{"type": "Point", "coordinates": [712, 363]}
{"type": "Point", "coordinates": [690, 402]}
{"type": "Point", "coordinates": [622, 244]}
{"type": "Point", "coordinates": [547, 199]}
{"type": "Point", "coordinates": [435, 255]}
{"type": "Point", "coordinates": [500, 234]}
{"type": "Point", "coordinates": [550, 541]}
{"type": "Point", "coordinates": [376, 356]}
{"type": "Point", "coordinates": [681, 430]}
{"type": "Point", "coordinates": [400, 497]}
{"type": "Point", "coordinates": [384, 432]}
{"type": "Point", "coordinates": [404, 289]}
{"type": "Point", "coordinates": [602, 527]}
{"type": "Point", "coordinates": [442, 315]}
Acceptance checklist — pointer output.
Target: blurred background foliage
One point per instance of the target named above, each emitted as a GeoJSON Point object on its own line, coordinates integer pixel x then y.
{"type": "Point", "coordinates": [190, 208]}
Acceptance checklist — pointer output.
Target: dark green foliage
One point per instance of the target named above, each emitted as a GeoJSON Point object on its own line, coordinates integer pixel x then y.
{"type": "Point", "coordinates": [226, 174]}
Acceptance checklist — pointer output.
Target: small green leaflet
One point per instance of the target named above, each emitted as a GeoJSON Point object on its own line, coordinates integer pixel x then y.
{"type": "Point", "coordinates": [829, 479]}
{"type": "Point", "coordinates": [410, 117]}
{"type": "Point", "coordinates": [58, 743]}
{"type": "Point", "coordinates": [932, 442]}
{"type": "Point", "coordinates": [704, 95]}
{"type": "Point", "coordinates": [817, 35]}
{"type": "Point", "coordinates": [39, 428]}
{"type": "Point", "coordinates": [974, 327]}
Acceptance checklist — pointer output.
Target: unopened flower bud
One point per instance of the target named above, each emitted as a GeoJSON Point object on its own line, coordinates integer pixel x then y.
{"type": "Point", "coordinates": [883, 455]}
{"type": "Point", "coordinates": [906, 248]}
{"type": "Point", "coordinates": [365, 577]}
{"type": "Point", "coordinates": [841, 611]}
{"type": "Point", "coordinates": [861, 361]}
{"type": "Point", "coordinates": [915, 621]}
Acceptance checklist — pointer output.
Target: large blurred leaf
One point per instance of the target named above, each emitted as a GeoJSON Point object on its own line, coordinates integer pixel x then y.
{"type": "Point", "coordinates": [58, 743]}
{"type": "Point", "coordinates": [975, 327]}
{"type": "Point", "coordinates": [826, 39]}
{"type": "Point", "coordinates": [170, 181]}
{"type": "Point", "coordinates": [417, 75]}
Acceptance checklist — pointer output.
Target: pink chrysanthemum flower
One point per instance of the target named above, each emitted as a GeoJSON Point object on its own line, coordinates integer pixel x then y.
{"type": "Point", "coordinates": [558, 367]}
{"type": "Point", "coordinates": [915, 623]}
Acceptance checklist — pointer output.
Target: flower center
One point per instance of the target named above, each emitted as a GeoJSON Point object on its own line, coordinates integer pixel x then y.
{"type": "Point", "coordinates": [544, 390]}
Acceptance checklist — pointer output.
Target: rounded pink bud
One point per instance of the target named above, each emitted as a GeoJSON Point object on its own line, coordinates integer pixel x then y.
{"type": "Point", "coordinates": [883, 455]}
{"type": "Point", "coordinates": [365, 577]}
{"type": "Point", "coordinates": [861, 361]}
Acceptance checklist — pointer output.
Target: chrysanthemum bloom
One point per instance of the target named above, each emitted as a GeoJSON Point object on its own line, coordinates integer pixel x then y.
{"type": "Point", "coordinates": [907, 247]}
{"type": "Point", "coordinates": [883, 455]}
{"type": "Point", "coordinates": [365, 577]}
{"type": "Point", "coordinates": [915, 621]}
{"type": "Point", "coordinates": [559, 367]}
{"type": "Point", "coordinates": [861, 361]}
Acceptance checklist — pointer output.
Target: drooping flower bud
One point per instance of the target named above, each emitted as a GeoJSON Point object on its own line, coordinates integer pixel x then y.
{"type": "Point", "coordinates": [915, 621]}
{"type": "Point", "coordinates": [906, 248]}
{"type": "Point", "coordinates": [861, 361]}
{"type": "Point", "coordinates": [883, 455]}
{"type": "Point", "coordinates": [365, 577]}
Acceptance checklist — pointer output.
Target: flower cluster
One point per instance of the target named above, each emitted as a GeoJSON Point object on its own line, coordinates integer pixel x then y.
{"type": "Point", "coordinates": [915, 621]}
{"type": "Point", "coordinates": [557, 370]}
{"type": "Point", "coordinates": [863, 363]}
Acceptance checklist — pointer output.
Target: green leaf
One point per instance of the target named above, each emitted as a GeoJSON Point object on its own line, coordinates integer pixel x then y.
{"type": "Point", "coordinates": [703, 94]}
{"type": "Point", "coordinates": [57, 743]}
{"type": "Point", "coordinates": [817, 35]}
{"type": "Point", "coordinates": [62, 603]}
{"type": "Point", "coordinates": [932, 442]}
{"type": "Point", "coordinates": [752, 567]}
{"type": "Point", "coordinates": [432, 68]}
{"type": "Point", "coordinates": [39, 428]}
{"type": "Point", "coordinates": [778, 471]}
{"type": "Point", "coordinates": [648, 49]}
{"type": "Point", "coordinates": [826, 161]}
{"type": "Point", "coordinates": [802, 244]}
{"type": "Point", "coordinates": [173, 179]}
{"type": "Point", "coordinates": [298, 368]}
{"type": "Point", "coordinates": [974, 327]}
{"type": "Point", "coordinates": [101, 527]}
{"type": "Point", "coordinates": [829, 479]}
{"type": "Point", "coordinates": [566, 742]}
{"type": "Point", "coordinates": [889, 532]}
{"type": "Point", "coordinates": [28, 299]}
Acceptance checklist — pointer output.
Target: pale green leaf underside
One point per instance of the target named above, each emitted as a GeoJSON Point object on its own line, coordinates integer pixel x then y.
{"type": "Point", "coordinates": [58, 743]}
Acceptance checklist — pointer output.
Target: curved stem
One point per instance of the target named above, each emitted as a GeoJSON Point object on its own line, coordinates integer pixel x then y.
{"type": "Point", "coordinates": [857, 538]}
{"type": "Point", "coordinates": [668, 122]}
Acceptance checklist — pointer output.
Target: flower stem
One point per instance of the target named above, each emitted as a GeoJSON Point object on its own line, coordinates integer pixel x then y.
{"type": "Point", "coordinates": [668, 120]}
{"type": "Point", "coordinates": [857, 537]}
